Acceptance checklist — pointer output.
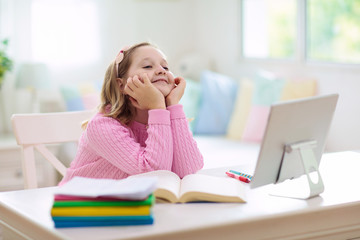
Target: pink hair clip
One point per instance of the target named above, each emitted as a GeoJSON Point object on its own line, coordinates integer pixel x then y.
{"type": "Point", "coordinates": [120, 57]}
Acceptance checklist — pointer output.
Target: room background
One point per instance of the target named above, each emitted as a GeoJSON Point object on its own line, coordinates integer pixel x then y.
{"type": "Point", "coordinates": [91, 34]}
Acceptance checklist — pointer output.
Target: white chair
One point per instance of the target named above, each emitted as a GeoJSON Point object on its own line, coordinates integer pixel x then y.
{"type": "Point", "coordinates": [35, 130]}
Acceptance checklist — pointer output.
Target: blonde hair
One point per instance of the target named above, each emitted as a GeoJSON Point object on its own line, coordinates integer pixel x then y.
{"type": "Point", "coordinates": [113, 102]}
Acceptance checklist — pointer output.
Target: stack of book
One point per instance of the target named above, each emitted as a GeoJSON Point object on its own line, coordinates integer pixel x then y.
{"type": "Point", "coordinates": [85, 202]}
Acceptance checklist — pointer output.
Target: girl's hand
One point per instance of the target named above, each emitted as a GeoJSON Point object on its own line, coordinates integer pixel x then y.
{"type": "Point", "coordinates": [143, 94]}
{"type": "Point", "coordinates": [178, 91]}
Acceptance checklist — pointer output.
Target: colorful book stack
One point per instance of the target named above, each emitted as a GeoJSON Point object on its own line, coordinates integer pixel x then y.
{"type": "Point", "coordinates": [104, 202]}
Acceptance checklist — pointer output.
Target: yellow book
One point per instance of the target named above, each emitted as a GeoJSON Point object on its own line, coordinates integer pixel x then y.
{"type": "Point", "coordinates": [101, 211]}
{"type": "Point", "coordinates": [196, 187]}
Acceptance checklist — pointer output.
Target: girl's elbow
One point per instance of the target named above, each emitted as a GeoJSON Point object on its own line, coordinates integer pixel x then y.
{"type": "Point", "coordinates": [154, 165]}
{"type": "Point", "coordinates": [192, 169]}
{"type": "Point", "coordinates": [200, 162]}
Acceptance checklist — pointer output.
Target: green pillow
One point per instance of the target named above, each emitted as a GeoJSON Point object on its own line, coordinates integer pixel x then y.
{"type": "Point", "coordinates": [191, 101]}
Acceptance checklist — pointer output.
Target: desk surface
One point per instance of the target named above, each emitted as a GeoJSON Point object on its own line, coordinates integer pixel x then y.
{"type": "Point", "coordinates": [336, 211]}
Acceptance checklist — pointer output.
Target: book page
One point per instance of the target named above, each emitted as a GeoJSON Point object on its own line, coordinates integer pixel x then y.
{"type": "Point", "coordinates": [198, 187]}
{"type": "Point", "coordinates": [168, 184]}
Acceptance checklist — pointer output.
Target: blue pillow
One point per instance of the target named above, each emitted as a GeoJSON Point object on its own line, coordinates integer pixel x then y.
{"type": "Point", "coordinates": [80, 96]}
{"type": "Point", "coordinates": [72, 98]}
{"type": "Point", "coordinates": [191, 101]}
{"type": "Point", "coordinates": [75, 104]}
{"type": "Point", "coordinates": [217, 103]}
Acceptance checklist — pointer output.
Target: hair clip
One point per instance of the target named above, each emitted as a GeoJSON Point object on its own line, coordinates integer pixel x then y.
{"type": "Point", "coordinates": [120, 57]}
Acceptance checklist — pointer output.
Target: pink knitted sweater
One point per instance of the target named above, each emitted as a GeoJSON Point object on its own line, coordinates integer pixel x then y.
{"type": "Point", "coordinates": [109, 149]}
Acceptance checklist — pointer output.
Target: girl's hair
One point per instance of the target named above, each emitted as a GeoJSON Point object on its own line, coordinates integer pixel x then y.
{"type": "Point", "coordinates": [114, 103]}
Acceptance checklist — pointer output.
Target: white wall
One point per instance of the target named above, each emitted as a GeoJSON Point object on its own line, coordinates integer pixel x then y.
{"type": "Point", "coordinates": [210, 28]}
{"type": "Point", "coordinates": [168, 24]}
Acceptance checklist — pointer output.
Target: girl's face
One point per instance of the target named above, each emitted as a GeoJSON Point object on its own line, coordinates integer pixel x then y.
{"type": "Point", "coordinates": [151, 61]}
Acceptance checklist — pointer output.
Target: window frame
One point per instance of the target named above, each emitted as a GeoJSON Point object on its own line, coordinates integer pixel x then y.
{"type": "Point", "coordinates": [300, 55]}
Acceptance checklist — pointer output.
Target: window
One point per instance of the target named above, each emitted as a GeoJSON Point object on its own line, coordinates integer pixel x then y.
{"type": "Point", "coordinates": [65, 32]}
{"type": "Point", "coordinates": [330, 29]}
{"type": "Point", "coordinates": [333, 30]}
{"type": "Point", "coordinates": [269, 28]}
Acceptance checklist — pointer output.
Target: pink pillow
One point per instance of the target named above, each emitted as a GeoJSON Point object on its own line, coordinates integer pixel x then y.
{"type": "Point", "coordinates": [91, 101]}
{"type": "Point", "coordinates": [256, 124]}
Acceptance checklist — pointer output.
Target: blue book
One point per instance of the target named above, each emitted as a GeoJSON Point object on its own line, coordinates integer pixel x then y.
{"type": "Point", "coordinates": [67, 222]}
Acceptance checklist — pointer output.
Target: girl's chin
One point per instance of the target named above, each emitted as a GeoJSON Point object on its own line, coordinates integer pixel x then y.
{"type": "Point", "coordinates": [165, 93]}
{"type": "Point", "coordinates": [165, 90]}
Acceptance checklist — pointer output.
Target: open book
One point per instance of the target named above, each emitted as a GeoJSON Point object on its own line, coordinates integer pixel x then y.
{"type": "Point", "coordinates": [195, 187]}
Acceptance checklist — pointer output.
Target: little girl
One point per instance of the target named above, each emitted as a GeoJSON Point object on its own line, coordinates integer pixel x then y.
{"type": "Point", "coordinates": [140, 126]}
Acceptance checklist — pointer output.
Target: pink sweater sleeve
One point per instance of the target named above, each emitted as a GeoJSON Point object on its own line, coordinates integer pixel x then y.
{"type": "Point", "coordinates": [187, 158]}
{"type": "Point", "coordinates": [114, 142]}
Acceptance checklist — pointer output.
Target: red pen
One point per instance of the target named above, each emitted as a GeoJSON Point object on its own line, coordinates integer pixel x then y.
{"type": "Point", "coordinates": [241, 178]}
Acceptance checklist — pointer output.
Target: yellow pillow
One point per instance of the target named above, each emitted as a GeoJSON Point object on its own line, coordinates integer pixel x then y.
{"type": "Point", "coordinates": [298, 89]}
{"type": "Point", "coordinates": [241, 110]}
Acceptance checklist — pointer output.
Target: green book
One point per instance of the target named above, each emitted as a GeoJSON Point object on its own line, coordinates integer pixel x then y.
{"type": "Point", "coordinates": [95, 203]}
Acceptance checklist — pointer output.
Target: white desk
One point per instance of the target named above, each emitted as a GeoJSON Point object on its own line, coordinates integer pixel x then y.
{"type": "Point", "coordinates": [333, 215]}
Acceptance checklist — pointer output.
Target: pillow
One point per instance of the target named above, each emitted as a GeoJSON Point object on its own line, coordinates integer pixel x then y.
{"type": "Point", "coordinates": [299, 89]}
{"type": "Point", "coordinates": [268, 89]}
{"type": "Point", "coordinates": [217, 103]}
{"type": "Point", "coordinates": [256, 125]}
{"type": "Point", "coordinates": [191, 101]}
{"type": "Point", "coordinates": [72, 98]}
{"type": "Point", "coordinates": [241, 110]}
{"type": "Point", "coordinates": [83, 96]}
